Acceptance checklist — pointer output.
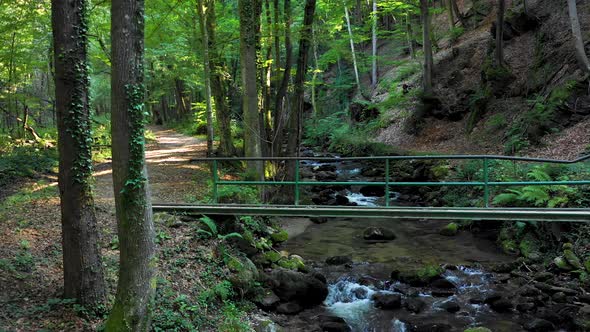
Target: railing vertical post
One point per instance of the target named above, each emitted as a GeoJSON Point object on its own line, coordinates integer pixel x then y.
{"type": "Point", "coordinates": [215, 180]}
{"type": "Point", "coordinates": [486, 179]}
{"type": "Point", "coordinates": [296, 182]}
{"type": "Point", "coordinates": [387, 198]}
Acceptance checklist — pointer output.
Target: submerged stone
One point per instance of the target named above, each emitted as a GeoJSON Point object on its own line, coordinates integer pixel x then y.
{"type": "Point", "coordinates": [378, 234]}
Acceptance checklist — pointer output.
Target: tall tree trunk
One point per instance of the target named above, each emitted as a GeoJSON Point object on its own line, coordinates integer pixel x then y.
{"type": "Point", "coordinates": [219, 88]}
{"type": "Point", "coordinates": [578, 40]}
{"type": "Point", "coordinates": [207, 67]}
{"type": "Point", "coordinates": [280, 117]}
{"type": "Point", "coordinates": [410, 36]}
{"type": "Point", "coordinates": [450, 14]}
{"type": "Point", "coordinates": [183, 102]}
{"type": "Point", "coordinates": [296, 116]}
{"type": "Point", "coordinates": [137, 268]}
{"type": "Point", "coordinates": [314, 103]}
{"type": "Point", "coordinates": [374, 45]}
{"type": "Point", "coordinates": [83, 273]}
{"type": "Point", "coordinates": [427, 47]}
{"type": "Point", "coordinates": [500, 33]}
{"type": "Point", "coordinates": [354, 63]}
{"type": "Point", "coordinates": [249, 12]}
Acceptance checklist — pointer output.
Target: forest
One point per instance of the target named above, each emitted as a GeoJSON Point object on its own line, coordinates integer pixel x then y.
{"type": "Point", "coordinates": [279, 165]}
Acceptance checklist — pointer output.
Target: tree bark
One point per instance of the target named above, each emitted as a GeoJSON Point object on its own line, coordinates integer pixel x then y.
{"type": "Point", "coordinates": [578, 40]}
{"type": "Point", "coordinates": [249, 12]}
{"type": "Point", "coordinates": [374, 46]}
{"type": "Point", "coordinates": [280, 117]}
{"type": "Point", "coordinates": [207, 70]}
{"type": "Point", "coordinates": [458, 12]}
{"type": "Point", "coordinates": [314, 103]}
{"type": "Point", "coordinates": [354, 63]}
{"type": "Point", "coordinates": [137, 269]}
{"type": "Point", "coordinates": [450, 14]}
{"type": "Point", "coordinates": [410, 36]}
{"type": "Point", "coordinates": [296, 116]}
{"type": "Point", "coordinates": [219, 88]}
{"type": "Point", "coordinates": [500, 33]}
{"type": "Point", "coordinates": [427, 47]}
{"type": "Point", "coordinates": [83, 272]}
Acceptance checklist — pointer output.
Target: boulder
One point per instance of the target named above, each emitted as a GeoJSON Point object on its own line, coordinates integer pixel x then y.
{"type": "Point", "coordinates": [572, 259]}
{"type": "Point", "coordinates": [432, 327]}
{"type": "Point", "coordinates": [442, 283]}
{"type": "Point", "coordinates": [387, 300]}
{"type": "Point", "coordinates": [525, 306]}
{"type": "Point", "coordinates": [289, 308]}
{"type": "Point", "coordinates": [373, 191]}
{"type": "Point", "coordinates": [502, 305]}
{"type": "Point", "coordinates": [333, 324]}
{"type": "Point", "coordinates": [378, 234]}
{"type": "Point", "coordinates": [303, 288]}
{"type": "Point", "coordinates": [539, 325]}
{"type": "Point", "coordinates": [338, 260]}
{"type": "Point", "coordinates": [450, 306]}
{"type": "Point", "coordinates": [326, 176]}
{"type": "Point", "coordinates": [415, 304]}
{"type": "Point", "coordinates": [267, 301]}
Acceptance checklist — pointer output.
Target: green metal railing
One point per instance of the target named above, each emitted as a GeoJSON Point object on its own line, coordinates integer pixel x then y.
{"type": "Point", "coordinates": [486, 184]}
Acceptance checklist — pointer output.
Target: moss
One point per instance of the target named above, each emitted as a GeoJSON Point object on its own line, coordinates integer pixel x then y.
{"type": "Point", "coordinates": [572, 259]}
{"type": "Point", "coordinates": [529, 245]}
{"type": "Point", "coordinates": [280, 236]}
{"type": "Point", "coordinates": [478, 329]}
{"type": "Point", "coordinates": [291, 263]}
{"type": "Point", "coordinates": [510, 247]}
{"type": "Point", "coordinates": [562, 264]}
{"type": "Point", "coordinates": [450, 229]}
{"type": "Point", "coordinates": [587, 265]}
{"type": "Point", "coordinates": [272, 256]}
{"type": "Point", "coordinates": [429, 272]}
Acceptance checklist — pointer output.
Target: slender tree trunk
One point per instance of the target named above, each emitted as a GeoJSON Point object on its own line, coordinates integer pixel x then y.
{"type": "Point", "coordinates": [249, 12]}
{"type": "Point", "coordinates": [207, 67]}
{"type": "Point", "coordinates": [450, 14]}
{"type": "Point", "coordinates": [314, 103]}
{"type": "Point", "coordinates": [296, 116]}
{"type": "Point", "coordinates": [578, 40]}
{"type": "Point", "coordinates": [525, 7]}
{"type": "Point", "coordinates": [280, 117]}
{"type": "Point", "coordinates": [83, 273]}
{"type": "Point", "coordinates": [427, 47]}
{"type": "Point", "coordinates": [137, 268]}
{"type": "Point", "coordinates": [410, 36]}
{"type": "Point", "coordinates": [374, 46]}
{"type": "Point", "coordinates": [183, 101]}
{"type": "Point", "coordinates": [277, 37]}
{"type": "Point", "coordinates": [500, 33]}
{"type": "Point", "coordinates": [219, 88]}
{"type": "Point", "coordinates": [354, 63]}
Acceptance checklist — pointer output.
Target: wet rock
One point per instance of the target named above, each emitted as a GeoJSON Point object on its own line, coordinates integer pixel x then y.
{"type": "Point", "coordinates": [478, 329]}
{"type": "Point", "coordinates": [525, 306]}
{"type": "Point", "coordinates": [492, 297]}
{"type": "Point", "coordinates": [443, 284]}
{"type": "Point", "coordinates": [584, 298]}
{"type": "Point", "coordinates": [338, 260]}
{"type": "Point", "coordinates": [341, 200]}
{"type": "Point", "coordinates": [529, 291]}
{"type": "Point", "coordinates": [268, 301]}
{"type": "Point", "coordinates": [387, 300]}
{"type": "Point", "coordinates": [325, 168]}
{"type": "Point", "coordinates": [582, 319]}
{"type": "Point", "coordinates": [372, 172]}
{"type": "Point", "coordinates": [451, 229]}
{"type": "Point", "coordinates": [291, 286]}
{"type": "Point", "coordinates": [543, 276]}
{"type": "Point", "coordinates": [440, 292]}
{"type": "Point", "coordinates": [319, 220]}
{"type": "Point", "coordinates": [450, 306]}
{"type": "Point", "coordinates": [360, 293]}
{"type": "Point", "coordinates": [432, 327]}
{"type": "Point", "coordinates": [554, 289]}
{"type": "Point", "coordinates": [559, 297]}
{"type": "Point", "coordinates": [562, 264]}
{"type": "Point", "coordinates": [539, 325]}
{"type": "Point", "coordinates": [373, 191]}
{"type": "Point", "coordinates": [326, 176]}
{"type": "Point", "coordinates": [505, 267]}
{"type": "Point", "coordinates": [333, 324]}
{"type": "Point", "coordinates": [289, 308]}
{"type": "Point", "coordinates": [369, 281]}
{"type": "Point", "coordinates": [502, 305]}
{"type": "Point", "coordinates": [378, 234]}
{"type": "Point", "coordinates": [415, 304]}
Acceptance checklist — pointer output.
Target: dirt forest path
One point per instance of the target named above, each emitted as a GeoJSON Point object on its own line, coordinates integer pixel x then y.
{"type": "Point", "coordinates": [170, 171]}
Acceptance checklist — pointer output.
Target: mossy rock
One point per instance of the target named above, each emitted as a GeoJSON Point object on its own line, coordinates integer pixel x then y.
{"type": "Point", "coordinates": [244, 274]}
{"type": "Point", "coordinates": [587, 265]}
{"type": "Point", "coordinates": [280, 236]}
{"type": "Point", "coordinates": [272, 256]}
{"type": "Point", "coordinates": [510, 247]}
{"type": "Point", "coordinates": [529, 245]}
{"type": "Point", "coordinates": [292, 263]}
{"type": "Point", "coordinates": [478, 329]}
{"type": "Point", "coordinates": [419, 277]}
{"type": "Point", "coordinates": [451, 229]}
{"type": "Point", "coordinates": [572, 259]}
{"type": "Point", "coordinates": [562, 264]}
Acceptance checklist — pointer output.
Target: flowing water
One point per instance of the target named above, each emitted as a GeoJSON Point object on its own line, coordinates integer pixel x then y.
{"type": "Point", "coordinates": [417, 243]}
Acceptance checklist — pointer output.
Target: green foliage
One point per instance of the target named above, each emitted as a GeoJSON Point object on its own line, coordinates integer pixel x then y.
{"type": "Point", "coordinates": [477, 106]}
{"type": "Point", "coordinates": [455, 33]}
{"type": "Point", "coordinates": [26, 161]}
{"type": "Point", "coordinates": [495, 123]}
{"type": "Point", "coordinates": [212, 231]}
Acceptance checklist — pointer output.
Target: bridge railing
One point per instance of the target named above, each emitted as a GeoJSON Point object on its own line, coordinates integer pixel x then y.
{"type": "Point", "coordinates": [297, 182]}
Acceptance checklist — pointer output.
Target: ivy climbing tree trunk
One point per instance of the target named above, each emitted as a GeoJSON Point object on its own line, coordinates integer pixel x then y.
{"type": "Point", "coordinates": [249, 12]}
{"type": "Point", "coordinates": [83, 273]}
{"type": "Point", "coordinates": [201, 10]}
{"type": "Point", "coordinates": [137, 278]}
{"type": "Point", "coordinates": [427, 47]}
{"type": "Point", "coordinates": [578, 40]}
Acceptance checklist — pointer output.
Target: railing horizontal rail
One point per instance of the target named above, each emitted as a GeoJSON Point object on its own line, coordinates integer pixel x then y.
{"type": "Point", "coordinates": [550, 215]}
{"type": "Point", "coordinates": [425, 157]}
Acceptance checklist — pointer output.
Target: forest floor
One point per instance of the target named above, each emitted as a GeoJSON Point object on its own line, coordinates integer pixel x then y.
{"type": "Point", "coordinates": [31, 280]}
